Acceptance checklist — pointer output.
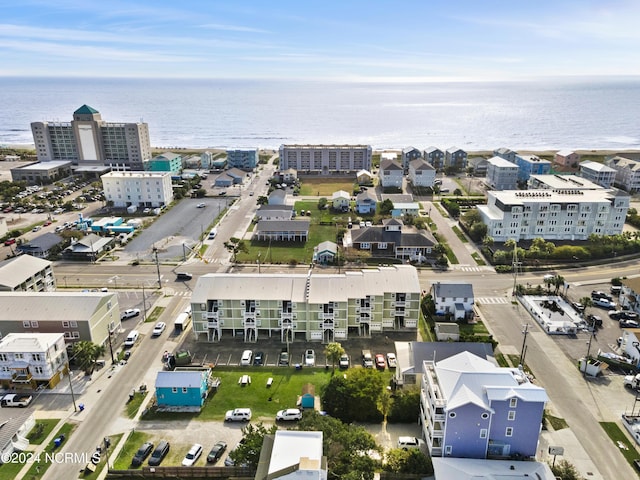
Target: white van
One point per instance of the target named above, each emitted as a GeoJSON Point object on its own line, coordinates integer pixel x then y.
{"type": "Point", "coordinates": [131, 338]}
{"type": "Point", "coordinates": [406, 443]}
{"type": "Point", "coordinates": [246, 358]}
{"type": "Point", "coordinates": [213, 233]}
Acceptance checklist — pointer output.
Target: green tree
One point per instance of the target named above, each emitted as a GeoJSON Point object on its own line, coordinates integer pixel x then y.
{"type": "Point", "coordinates": [348, 448]}
{"type": "Point", "coordinates": [333, 352]}
{"type": "Point", "coordinates": [248, 451]}
{"type": "Point", "coordinates": [407, 461]}
{"type": "Point", "coordinates": [565, 471]}
{"type": "Point", "coordinates": [356, 397]}
{"type": "Point", "coordinates": [322, 203]}
{"type": "Point", "coordinates": [385, 207]}
{"type": "Point", "coordinates": [235, 246]}
{"type": "Point", "coordinates": [586, 302]}
{"type": "Point", "coordinates": [262, 200]}
{"type": "Point", "coordinates": [478, 231]}
{"type": "Point", "coordinates": [558, 281]}
{"type": "Point", "coordinates": [488, 241]}
{"type": "Point", "coordinates": [406, 404]}
{"type": "Point", "coordinates": [85, 354]}
{"type": "Point", "coordinates": [457, 192]}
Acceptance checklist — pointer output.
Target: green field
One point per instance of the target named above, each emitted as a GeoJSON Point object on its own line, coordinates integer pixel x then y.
{"type": "Point", "coordinates": [264, 402]}
{"type": "Point", "coordinates": [325, 187]}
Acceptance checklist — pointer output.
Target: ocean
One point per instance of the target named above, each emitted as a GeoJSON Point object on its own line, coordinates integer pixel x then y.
{"type": "Point", "coordinates": [542, 115]}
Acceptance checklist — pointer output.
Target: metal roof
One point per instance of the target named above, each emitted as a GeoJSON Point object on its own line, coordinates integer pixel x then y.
{"type": "Point", "coordinates": [52, 306]}
{"type": "Point", "coordinates": [16, 270]}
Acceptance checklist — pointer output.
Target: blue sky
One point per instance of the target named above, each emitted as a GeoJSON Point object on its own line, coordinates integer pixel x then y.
{"type": "Point", "coordinates": [347, 40]}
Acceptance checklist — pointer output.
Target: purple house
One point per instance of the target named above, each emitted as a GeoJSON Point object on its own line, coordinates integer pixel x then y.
{"type": "Point", "coordinates": [471, 408]}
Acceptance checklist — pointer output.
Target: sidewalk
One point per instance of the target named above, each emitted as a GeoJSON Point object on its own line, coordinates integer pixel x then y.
{"type": "Point", "coordinates": [462, 250]}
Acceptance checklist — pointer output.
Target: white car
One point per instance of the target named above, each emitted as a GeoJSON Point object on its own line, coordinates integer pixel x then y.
{"type": "Point", "coordinates": [247, 357]}
{"type": "Point", "coordinates": [391, 360]}
{"type": "Point", "coordinates": [309, 358]}
{"type": "Point", "coordinates": [238, 415]}
{"type": "Point", "coordinates": [290, 414]}
{"type": "Point", "coordinates": [130, 313]}
{"type": "Point", "coordinates": [192, 456]}
{"type": "Point", "coordinates": [158, 329]}
{"type": "Point", "coordinates": [201, 205]}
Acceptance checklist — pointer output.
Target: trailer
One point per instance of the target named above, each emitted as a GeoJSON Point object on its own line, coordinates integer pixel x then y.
{"type": "Point", "coordinates": [181, 322]}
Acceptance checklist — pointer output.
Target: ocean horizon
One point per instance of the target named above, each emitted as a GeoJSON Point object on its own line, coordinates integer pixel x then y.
{"type": "Point", "coordinates": [577, 114]}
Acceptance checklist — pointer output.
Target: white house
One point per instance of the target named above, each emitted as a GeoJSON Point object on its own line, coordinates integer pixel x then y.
{"type": "Point", "coordinates": [453, 298]}
{"type": "Point", "coordinates": [421, 173]}
{"type": "Point", "coordinates": [502, 174]}
{"type": "Point", "coordinates": [325, 252]}
{"type": "Point", "coordinates": [29, 360]}
{"type": "Point", "coordinates": [364, 177]}
{"type": "Point", "coordinates": [27, 273]}
{"type": "Point", "coordinates": [391, 174]}
{"type": "Point", "coordinates": [598, 173]}
{"type": "Point", "coordinates": [292, 455]}
{"type": "Point", "coordinates": [278, 197]}
{"type": "Point", "coordinates": [14, 431]}
{"type": "Point", "coordinates": [340, 200]}
{"type": "Point", "coordinates": [627, 173]}
{"type": "Point", "coordinates": [142, 189]}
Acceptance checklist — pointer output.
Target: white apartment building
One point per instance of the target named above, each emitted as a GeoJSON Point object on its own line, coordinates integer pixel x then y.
{"type": "Point", "coordinates": [559, 182]}
{"type": "Point", "coordinates": [421, 173]}
{"type": "Point", "coordinates": [597, 173]}
{"type": "Point", "coordinates": [558, 214]}
{"type": "Point", "coordinates": [502, 174]}
{"type": "Point", "coordinates": [143, 189]}
{"type": "Point", "coordinates": [391, 174]}
{"type": "Point", "coordinates": [627, 173]}
{"type": "Point", "coordinates": [28, 360]}
{"type": "Point", "coordinates": [88, 140]}
{"type": "Point", "coordinates": [312, 307]}
{"type": "Point", "coordinates": [325, 159]}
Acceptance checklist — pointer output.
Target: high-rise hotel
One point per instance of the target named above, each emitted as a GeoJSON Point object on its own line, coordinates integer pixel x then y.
{"type": "Point", "coordinates": [88, 140]}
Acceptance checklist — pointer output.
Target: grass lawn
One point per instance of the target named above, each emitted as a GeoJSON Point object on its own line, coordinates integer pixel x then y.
{"type": "Point", "coordinates": [38, 469]}
{"type": "Point", "coordinates": [264, 402]}
{"type": "Point", "coordinates": [477, 328]}
{"type": "Point", "coordinates": [459, 234]}
{"type": "Point", "coordinates": [154, 315]}
{"type": "Point", "coordinates": [133, 406]}
{"type": "Point", "coordinates": [296, 252]}
{"type": "Point", "coordinates": [130, 448]}
{"type": "Point", "coordinates": [38, 434]}
{"type": "Point", "coordinates": [325, 187]}
{"type": "Point", "coordinates": [619, 438]}
{"type": "Point", "coordinates": [479, 261]}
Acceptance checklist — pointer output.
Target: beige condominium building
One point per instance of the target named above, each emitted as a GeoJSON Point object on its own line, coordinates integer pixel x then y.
{"type": "Point", "coordinates": [25, 273]}
{"type": "Point", "coordinates": [325, 159]}
{"type": "Point", "coordinates": [90, 141]}
{"type": "Point", "coordinates": [312, 307]}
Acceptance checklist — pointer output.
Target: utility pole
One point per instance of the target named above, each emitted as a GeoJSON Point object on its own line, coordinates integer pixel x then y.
{"type": "Point", "coordinates": [155, 252]}
{"type": "Point", "coordinates": [113, 361]}
{"type": "Point", "coordinates": [524, 343]}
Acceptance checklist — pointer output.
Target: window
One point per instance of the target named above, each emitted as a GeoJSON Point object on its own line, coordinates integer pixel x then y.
{"type": "Point", "coordinates": [508, 432]}
{"type": "Point", "coordinates": [75, 334]}
{"type": "Point", "coordinates": [3, 357]}
{"type": "Point", "coordinates": [36, 357]}
{"type": "Point", "coordinates": [485, 416]}
{"type": "Point", "coordinates": [73, 324]}
{"type": "Point", "coordinates": [511, 415]}
{"type": "Point", "coordinates": [513, 403]}
{"type": "Point", "coordinates": [184, 389]}
{"type": "Point", "coordinates": [65, 324]}
{"type": "Point", "coordinates": [38, 370]}
{"type": "Point", "coordinates": [19, 356]}
{"type": "Point", "coordinates": [452, 415]}
{"type": "Point", "coordinates": [26, 324]}
{"type": "Point", "coordinates": [447, 450]}
{"type": "Point", "coordinates": [34, 324]}
{"type": "Point", "coordinates": [174, 389]}
{"type": "Point", "coordinates": [483, 433]}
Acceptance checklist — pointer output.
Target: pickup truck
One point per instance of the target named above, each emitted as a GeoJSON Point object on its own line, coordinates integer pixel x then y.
{"type": "Point", "coordinates": [632, 381]}
{"type": "Point", "coordinates": [367, 359]}
{"type": "Point", "coordinates": [15, 400]}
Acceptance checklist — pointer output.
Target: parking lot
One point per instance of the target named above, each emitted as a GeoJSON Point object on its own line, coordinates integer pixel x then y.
{"type": "Point", "coordinates": [229, 350]}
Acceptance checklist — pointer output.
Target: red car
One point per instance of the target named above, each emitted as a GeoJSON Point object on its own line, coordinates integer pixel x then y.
{"type": "Point", "coordinates": [11, 241]}
{"type": "Point", "coordinates": [380, 362]}
{"type": "Point", "coordinates": [47, 223]}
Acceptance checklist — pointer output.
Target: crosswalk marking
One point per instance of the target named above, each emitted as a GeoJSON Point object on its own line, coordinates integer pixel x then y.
{"type": "Point", "coordinates": [491, 300]}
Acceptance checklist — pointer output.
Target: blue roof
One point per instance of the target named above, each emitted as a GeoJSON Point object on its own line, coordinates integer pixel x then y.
{"type": "Point", "coordinates": [86, 110]}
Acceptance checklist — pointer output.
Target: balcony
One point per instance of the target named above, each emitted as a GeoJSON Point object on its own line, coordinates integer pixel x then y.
{"type": "Point", "coordinates": [214, 325]}
{"type": "Point", "coordinates": [363, 309]}
{"type": "Point", "coordinates": [327, 316]}
{"type": "Point", "coordinates": [286, 316]}
{"type": "Point", "coordinates": [211, 315]}
{"type": "Point", "coordinates": [399, 313]}
{"type": "Point", "coordinates": [21, 377]}
{"type": "Point", "coordinates": [399, 303]}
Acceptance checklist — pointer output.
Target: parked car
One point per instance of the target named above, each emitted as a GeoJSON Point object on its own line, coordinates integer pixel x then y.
{"type": "Point", "coordinates": [10, 241]}
{"type": "Point", "coordinates": [245, 360]}
{"type": "Point", "coordinates": [159, 453]}
{"type": "Point", "coordinates": [201, 205]}
{"type": "Point", "coordinates": [629, 324]}
{"type": "Point", "coordinates": [578, 307]}
{"type": "Point", "coordinates": [309, 358]}
{"type": "Point", "coordinates": [604, 303]}
{"type": "Point", "coordinates": [290, 414]}
{"type": "Point", "coordinates": [216, 452]}
{"type": "Point", "coordinates": [344, 361]}
{"type": "Point", "coordinates": [615, 314]}
{"type": "Point", "coordinates": [158, 329]}
{"type": "Point", "coordinates": [391, 360]}
{"type": "Point", "coordinates": [283, 359]}
{"type": "Point", "coordinates": [129, 313]}
{"type": "Point", "coordinates": [141, 455]}
{"type": "Point", "coordinates": [258, 359]}
{"type": "Point", "coordinates": [230, 462]}
{"type": "Point", "coordinates": [238, 415]}
{"type": "Point", "coordinates": [405, 443]}
{"type": "Point", "coordinates": [192, 455]}
{"type": "Point", "coordinates": [380, 363]}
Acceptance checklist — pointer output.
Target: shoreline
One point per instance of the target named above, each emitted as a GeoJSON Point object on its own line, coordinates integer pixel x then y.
{"type": "Point", "coordinates": [470, 153]}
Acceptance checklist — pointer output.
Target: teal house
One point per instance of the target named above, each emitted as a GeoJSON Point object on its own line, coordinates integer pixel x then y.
{"type": "Point", "coordinates": [179, 388]}
{"type": "Point", "coordinates": [166, 162]}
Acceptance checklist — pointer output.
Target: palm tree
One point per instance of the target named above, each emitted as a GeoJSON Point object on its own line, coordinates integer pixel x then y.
{"type": "Point", "coordinates": [333, 353]}
{"type": "Point", "coordinates": [86, 353]}
{"type": "Point", "coordinates": [558, 281]}
{"type": "Point", "coordinates": [586, 303]}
